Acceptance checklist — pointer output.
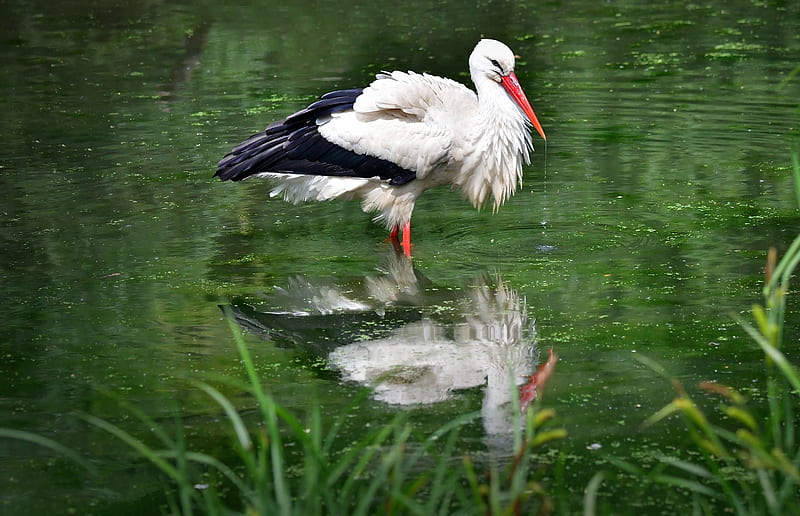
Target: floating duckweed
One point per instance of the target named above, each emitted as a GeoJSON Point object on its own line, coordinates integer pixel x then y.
{"type": "Point", "coordinates": [275, 101]}
{"type": "Point", "coordinates": [656, 59]}
{"type": "Point", "coordinates": [572, 54]}
{"type": "Point", "coordinates": [733, 50]}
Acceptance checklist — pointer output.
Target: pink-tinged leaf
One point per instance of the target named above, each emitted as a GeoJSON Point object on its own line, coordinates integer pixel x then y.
{"type": "Point", "coordinates": [534, 387]}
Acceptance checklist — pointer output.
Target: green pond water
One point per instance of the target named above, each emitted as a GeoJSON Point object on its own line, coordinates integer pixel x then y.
{"type": "Point", "coordinates": [641, 228]}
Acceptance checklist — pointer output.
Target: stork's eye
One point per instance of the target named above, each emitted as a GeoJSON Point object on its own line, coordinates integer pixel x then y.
{"type": "Point", "coordinates": [496, 65]}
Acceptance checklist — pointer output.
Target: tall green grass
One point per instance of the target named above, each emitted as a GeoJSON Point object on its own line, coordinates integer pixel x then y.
{"type": "Point", "coordinates": [391, 469]}
{"type": "Point", "coordinates": [751, 458]}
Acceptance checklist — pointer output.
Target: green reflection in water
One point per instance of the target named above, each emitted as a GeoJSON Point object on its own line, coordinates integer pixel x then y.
{"type": "Point", "coordinates": [640, 227]}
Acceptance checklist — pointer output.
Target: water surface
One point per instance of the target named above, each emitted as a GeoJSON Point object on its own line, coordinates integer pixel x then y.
{"type": "Point", "coordinates": [641, 227]}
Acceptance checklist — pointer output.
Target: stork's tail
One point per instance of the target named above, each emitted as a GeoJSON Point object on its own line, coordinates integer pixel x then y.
{"type": "Point", "coordinates": [244, 159]}
{"type": "Point", "coordinates": [292, 145]}
{"type": "Point", "coordinates": [295, 146]}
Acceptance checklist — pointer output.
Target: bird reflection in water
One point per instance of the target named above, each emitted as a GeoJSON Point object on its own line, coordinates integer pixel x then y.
{"type": "Point", "coordinates": [412, 343]}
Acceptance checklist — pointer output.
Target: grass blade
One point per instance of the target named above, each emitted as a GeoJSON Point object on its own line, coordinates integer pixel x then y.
{"type": "Point", "coordinates": [778, 358]}
{"type": "Point", "coordinates": [242, 435]}
{"type": "Point", "coordinates": [689, 467]}
{"type": "Point", "coordinates": [143, 450]}
{"type": "Point", "coordinates": [590, 495]}
{"type": "Point", "coordinates": [691, 485]}
{"type": "Point", "coordinates": [796, 165]}
{"type": "Point", "coordinates": [50, 444]}
{"type": "Point", "coordinates": [208, 460]}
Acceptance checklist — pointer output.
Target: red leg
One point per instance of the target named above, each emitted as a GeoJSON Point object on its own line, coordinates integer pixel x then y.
{"type": "Point", "coordinates": [394, 232]}
{"type": "Point", "coordinates": [407, 239]}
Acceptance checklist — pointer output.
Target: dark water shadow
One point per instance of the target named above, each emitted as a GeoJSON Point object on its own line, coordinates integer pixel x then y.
{"type": "Point", "coordinates": [190, 60]}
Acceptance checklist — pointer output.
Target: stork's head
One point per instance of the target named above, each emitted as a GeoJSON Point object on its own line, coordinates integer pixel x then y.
{"type": "Point", "coordinates": [494, 60]}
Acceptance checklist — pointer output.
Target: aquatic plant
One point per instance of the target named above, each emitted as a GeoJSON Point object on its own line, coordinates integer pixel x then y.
{"type": "Point", "coordinates": [391, 468]}
{"type": "Point", "coordinates": [751, 459]}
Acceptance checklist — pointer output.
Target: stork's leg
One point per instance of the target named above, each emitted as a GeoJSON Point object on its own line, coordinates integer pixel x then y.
{"type": "Point", "coordinates": [406, 244]}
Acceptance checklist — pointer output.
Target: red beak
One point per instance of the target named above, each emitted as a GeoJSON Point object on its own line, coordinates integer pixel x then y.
{"type": "Point", "coordinates": [511, 84]}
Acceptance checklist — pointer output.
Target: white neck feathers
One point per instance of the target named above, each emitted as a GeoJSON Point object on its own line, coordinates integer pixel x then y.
{"type": "Point", "coordinates": [500, 143]}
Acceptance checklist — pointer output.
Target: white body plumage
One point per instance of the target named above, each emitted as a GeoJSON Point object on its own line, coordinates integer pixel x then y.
{"type": "Point", "coordinates": [434, 130]}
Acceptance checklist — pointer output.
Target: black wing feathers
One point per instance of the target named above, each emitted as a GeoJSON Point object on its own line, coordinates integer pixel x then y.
{"type": "Point", "coordinates": [295, 146]}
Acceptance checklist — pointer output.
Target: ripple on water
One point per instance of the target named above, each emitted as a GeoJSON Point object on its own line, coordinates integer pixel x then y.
{"type": "Point", "coordinates": [497, 243]}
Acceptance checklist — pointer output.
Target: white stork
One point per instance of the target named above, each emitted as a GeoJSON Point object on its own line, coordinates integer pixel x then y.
{"type": "Point", "coordinates": [406, 132]}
